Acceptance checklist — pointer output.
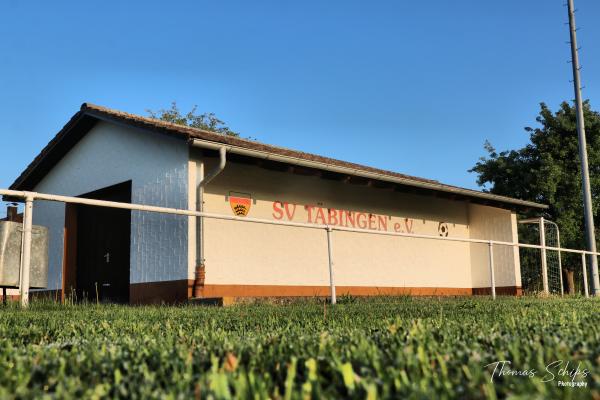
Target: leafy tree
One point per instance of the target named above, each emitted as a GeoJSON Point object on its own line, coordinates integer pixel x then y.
{"type": "Point", "coordinates": [547, 170]}
{"type": "Point", "coordinates": [206, 121]}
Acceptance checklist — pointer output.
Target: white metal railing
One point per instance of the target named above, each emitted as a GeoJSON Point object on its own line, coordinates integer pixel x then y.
{"type": "Point", "coordinates": [30, 197]}
{"type": "Point", "coordinates": [541, 223]}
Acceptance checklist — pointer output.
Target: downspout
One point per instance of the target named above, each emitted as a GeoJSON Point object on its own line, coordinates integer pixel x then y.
{"type": "Point", "coordinates": [204, 180]}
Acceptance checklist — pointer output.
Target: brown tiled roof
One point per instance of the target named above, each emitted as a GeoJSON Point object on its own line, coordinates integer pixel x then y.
{"type": "Point", "coordinates": [89, 114]}
{"type": "Point", "coordinates": [195, 133]}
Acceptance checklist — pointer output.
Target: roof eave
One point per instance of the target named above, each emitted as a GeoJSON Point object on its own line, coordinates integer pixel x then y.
{"type": "Point", "coordinates": [90, 114]}
{"type": "Point", "coordinates": [370, 175]}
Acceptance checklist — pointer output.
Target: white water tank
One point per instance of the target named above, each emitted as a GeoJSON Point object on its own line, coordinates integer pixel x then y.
{"type": "Point", "coordinates": [11, 238]}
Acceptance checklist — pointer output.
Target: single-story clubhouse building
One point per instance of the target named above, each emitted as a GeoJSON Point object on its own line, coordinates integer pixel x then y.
{"type": "Point", "coordinates": [140, 257]}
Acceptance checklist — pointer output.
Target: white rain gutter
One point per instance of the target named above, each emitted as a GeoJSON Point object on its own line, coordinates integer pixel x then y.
{"type": "Point", "coordinates": [205, 179]}
{"type": "Point", "coordinates": [362, 173]}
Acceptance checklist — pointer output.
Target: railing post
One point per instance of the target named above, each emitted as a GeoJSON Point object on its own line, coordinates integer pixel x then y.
{"type": "Point", "coordinates": [585, 282]}
{"type": "Point", "coordinates": [543, 254]}
{"type": "Point", "coordinates": [492, 276]}
{"type": "Point", "coordinates": [595, 283]}
{"type": "Point", "coordinates": [331, 276]}
{"type": "Point", "coordinates": [26, 252]}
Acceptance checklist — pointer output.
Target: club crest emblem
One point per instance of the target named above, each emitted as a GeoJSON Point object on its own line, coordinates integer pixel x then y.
{"type": "Point", "coordinates": [240, 203]}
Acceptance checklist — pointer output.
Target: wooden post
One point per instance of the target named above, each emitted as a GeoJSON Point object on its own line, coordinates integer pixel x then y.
{"type": "Point", "coordinates": [570, 280]}
{"type": "Point", "coordinates": [12, 213]}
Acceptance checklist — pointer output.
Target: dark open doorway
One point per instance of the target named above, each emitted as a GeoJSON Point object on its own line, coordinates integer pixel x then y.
{"type": "Point", "coordinates": [102, 240]}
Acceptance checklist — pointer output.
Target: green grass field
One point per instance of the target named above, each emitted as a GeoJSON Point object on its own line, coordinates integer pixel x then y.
{"type": "Point", "coordinates": [374, 348]}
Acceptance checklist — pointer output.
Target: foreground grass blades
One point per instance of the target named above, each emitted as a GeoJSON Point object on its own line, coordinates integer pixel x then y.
{"type": "Point", "coordinates": [372, 348]}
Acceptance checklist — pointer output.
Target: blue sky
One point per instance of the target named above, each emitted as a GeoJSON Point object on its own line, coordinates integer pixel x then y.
{"type": "Point", "coordinates": [414, 87]}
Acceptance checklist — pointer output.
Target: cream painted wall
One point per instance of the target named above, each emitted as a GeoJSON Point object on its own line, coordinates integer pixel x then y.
{"type": "Point", "coordinates": [251, 254]}
{"type": "Point", "coordinates": [494, 224]}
